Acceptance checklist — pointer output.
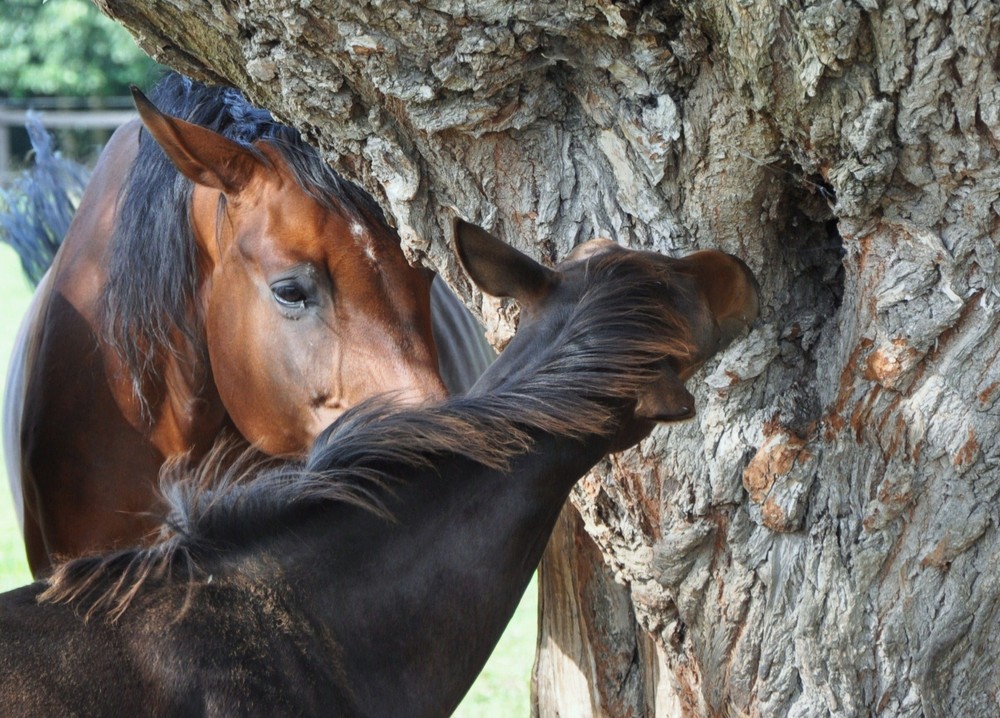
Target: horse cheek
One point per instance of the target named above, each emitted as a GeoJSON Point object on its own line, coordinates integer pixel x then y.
{"type": "Point", "coordinates": [231, 353]}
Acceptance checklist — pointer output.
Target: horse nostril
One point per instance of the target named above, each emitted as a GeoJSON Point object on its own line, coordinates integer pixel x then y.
{"type": "Point", "coordinates": [326, 401]}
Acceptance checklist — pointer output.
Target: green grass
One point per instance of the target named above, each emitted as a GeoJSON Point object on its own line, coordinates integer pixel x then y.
{"type": "Point", "coordinates": [15, 293]}
{"type": "Point", "coordinates": [502, 690]}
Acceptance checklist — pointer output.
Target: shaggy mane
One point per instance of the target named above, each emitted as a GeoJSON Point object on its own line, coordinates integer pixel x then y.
{"type": "Point", "coordinates": [577, 386]}
{"type": "Point", "coordinates": [153, 271]}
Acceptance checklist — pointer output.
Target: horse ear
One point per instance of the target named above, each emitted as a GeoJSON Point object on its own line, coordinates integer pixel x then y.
{"type": "Point", "coordinates": [666, 399]}
{"type": "Point", "coordinates": [729, 288]}
{"type": "Point", "coordinates": [203, 156]}
{"type": "Point", "coordinates": [497, 268]}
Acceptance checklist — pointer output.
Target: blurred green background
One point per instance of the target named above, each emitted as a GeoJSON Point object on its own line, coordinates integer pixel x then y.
{"type": "Point", "coordinates": [67, 49]}
{"type": "Point", "coordinates": [15, 293]}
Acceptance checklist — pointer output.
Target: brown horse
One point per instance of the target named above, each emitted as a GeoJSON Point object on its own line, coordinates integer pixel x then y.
{"type": "Point", "coordinates": [290, 592]}
{"type": "Point", "coordinates": [217, 276]}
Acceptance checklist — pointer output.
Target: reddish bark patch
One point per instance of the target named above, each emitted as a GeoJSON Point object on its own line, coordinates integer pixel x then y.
{"type": "Point", "coordinates": [939, 556]}
{"type": "Point", "coordinates": [888, 364]}
{"type": "Point", "coordinates": [987, 395]}
{"type": "Point", "coordinates": [775, 458]}
{"type": "Point", "coordinates": [774, 517]}
{"type": "Point", "coordinates": [967, 454]}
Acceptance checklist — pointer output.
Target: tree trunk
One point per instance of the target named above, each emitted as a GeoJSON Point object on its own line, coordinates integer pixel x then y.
{"type": "Point", "coordinates": [823, 538]}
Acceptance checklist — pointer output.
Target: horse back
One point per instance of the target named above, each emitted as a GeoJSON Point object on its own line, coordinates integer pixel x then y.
{"type": "Point", "coordinates": [52, 663]}
{"type": "Point", "coordinates": [225, 648]}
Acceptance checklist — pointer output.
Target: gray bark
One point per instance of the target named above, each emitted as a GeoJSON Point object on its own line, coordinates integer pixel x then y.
{"type": "Point", "coordinates": [822, 539]}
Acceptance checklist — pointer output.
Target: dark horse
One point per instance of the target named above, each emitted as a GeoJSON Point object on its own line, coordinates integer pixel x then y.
{"type": "Point", "coordinates": [218, 276]}
{"type": "Point", "coordinates": [375, 579]}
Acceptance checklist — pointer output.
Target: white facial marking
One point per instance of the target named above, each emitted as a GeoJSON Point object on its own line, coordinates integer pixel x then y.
{"type": "Point", "coordinates": [364, 240]}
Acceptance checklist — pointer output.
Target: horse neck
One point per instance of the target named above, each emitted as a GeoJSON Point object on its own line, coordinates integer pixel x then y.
{"type": "Point", "coordinates": [421, 601]}
{"type": "Point", "coordinates": [190, 414]}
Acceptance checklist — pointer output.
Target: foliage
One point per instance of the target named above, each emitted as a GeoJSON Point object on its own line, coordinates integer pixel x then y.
{"type": "Point", "coordinates": [68, 48]}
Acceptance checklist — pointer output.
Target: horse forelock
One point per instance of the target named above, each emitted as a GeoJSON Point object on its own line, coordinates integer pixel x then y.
{"type": "Point", "coordinates": [625, 323]}
{"type": "Point", "coordinates": [149, 298]}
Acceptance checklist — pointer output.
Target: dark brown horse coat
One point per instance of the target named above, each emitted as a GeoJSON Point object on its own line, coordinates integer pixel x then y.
{"type": "Point", "coordinates": [376, 579]}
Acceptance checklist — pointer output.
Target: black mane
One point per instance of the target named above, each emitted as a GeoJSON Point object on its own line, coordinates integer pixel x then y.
{"type": "Point", "coordinates": [577, 386]}
{"type": "Point", "coordinates": [153, 273]}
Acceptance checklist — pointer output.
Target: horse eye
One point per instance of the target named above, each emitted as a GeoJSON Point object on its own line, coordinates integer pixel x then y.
{"type": "Point", "coordinates": [290, 295]}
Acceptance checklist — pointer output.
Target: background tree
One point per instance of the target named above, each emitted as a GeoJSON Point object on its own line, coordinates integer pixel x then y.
{"type": "Point", "coordinates": [65, 48]}
{"type": "Point", "coordinates": [67, 52]}
{"type": "Point", "coordinates": [822, 539]}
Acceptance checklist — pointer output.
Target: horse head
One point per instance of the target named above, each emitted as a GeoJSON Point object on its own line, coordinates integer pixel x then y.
{"type": "Point", "coordinates": [712, 296]}
{"type": "Point", "coordinates": [308, 307]}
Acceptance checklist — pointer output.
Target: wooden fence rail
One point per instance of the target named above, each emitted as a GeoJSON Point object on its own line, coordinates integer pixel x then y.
{"type": "Point", "coordinates": [77, 119]}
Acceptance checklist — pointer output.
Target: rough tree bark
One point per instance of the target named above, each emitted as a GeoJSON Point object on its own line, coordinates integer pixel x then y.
{"type": "Point", "coordinates": [823, 538]}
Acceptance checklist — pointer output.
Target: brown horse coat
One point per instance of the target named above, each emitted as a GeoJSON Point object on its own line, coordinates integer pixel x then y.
{"type": "Point", "coordinates": [212, 281]}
